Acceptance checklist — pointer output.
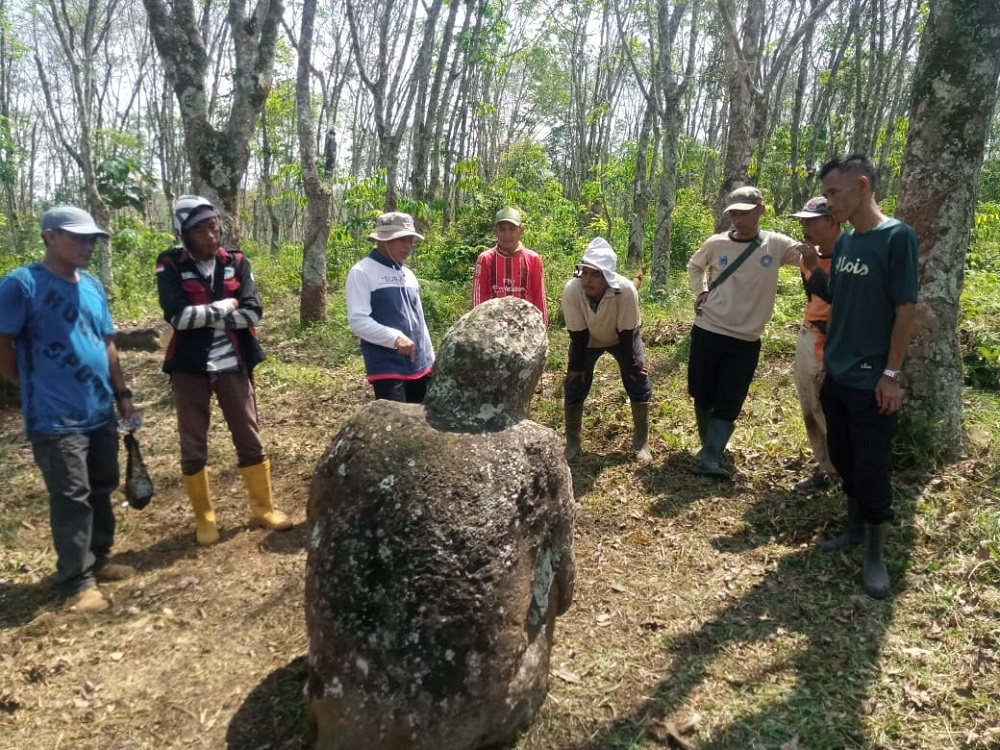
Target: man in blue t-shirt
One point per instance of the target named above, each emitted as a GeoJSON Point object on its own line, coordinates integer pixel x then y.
{"type": "Point", "coordinates": [56, 343]}
{"type": "Point", "coordinates": [872, 289]}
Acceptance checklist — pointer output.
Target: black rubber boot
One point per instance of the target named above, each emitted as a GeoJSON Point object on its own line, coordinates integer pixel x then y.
{"type": "Point", "coordinates": [717, 435]}
{"type": "Point", "coordinates": [817, 481]}
{"type": "Point", "coordinates": [640, 436]}
{"type": "Point", "coordinates": [874, 573]}
{"type": "Point", "coordinates": [703, 416]}
{"type": "Point", "coordinates": [574, 423]}
{"type": "Point", "coordinates": [854, 530]}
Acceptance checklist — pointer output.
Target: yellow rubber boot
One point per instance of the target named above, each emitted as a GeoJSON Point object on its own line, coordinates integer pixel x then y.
{"type": "Point", "coordinates": [262, 512]}
{"type": "Point", "coordinates": [197, 492]}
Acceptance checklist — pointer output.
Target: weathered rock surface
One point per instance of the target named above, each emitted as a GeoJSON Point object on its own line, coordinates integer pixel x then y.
{"type": "Point", "coordinates": [487, 368]}
{"type": "Point", "coordinates": [149, 339]}
{"type": "Point", "coordinates": [439, 559]}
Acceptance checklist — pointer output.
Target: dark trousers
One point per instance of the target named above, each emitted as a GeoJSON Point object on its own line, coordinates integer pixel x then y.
{"type": "Point", "coordinates": [860, 442]}
{"type": "Point", "coordinates": [80, 473]}
{"type": "Point", "coordinates": [639, 390]}
{"type": "Point", "coordinates": [720, 370]}
{"type": "Point", "coordinates": [405, 391]}
{"type": "Point", "coordinates": [193, 402]}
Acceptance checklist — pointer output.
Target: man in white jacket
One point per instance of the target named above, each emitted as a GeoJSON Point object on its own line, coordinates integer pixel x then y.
{"type": "Point", "coordinates": [385, 312]}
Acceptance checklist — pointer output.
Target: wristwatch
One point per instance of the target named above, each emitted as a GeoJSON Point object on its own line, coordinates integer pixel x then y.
{"type": "Point", "coordinates": [894, 374]}
{"type": "Point", "coordinates": [122, 394]}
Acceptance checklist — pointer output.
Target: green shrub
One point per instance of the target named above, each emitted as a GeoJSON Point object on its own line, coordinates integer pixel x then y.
{"type": "Point", "coordinates": [275, 275]}
{"type": "Point", "coordinates": [691, 225]}
{"type": "Point", "coordinates": [979, 326]}
{"type": "Point", "coordinates": [979, 329]}
{"type": "Point", "coordinates": [134, 248]}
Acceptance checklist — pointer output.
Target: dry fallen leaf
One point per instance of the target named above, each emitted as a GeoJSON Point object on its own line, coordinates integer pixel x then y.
{"type": "Point", "coordinates": [920, 699]}
{"type": "Point", "coordinates": [667, 734]}
{"type": "Point", "coordinates": [567, 676]}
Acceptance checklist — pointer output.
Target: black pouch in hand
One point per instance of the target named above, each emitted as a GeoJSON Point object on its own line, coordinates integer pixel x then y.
{"type": "Point", "coordinates": [138, 485]}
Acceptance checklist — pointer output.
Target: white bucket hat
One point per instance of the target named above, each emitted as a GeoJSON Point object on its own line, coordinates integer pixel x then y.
{"type": "Point", "coordinates": [393, 225]}
{"type": "Point", "coordinates": [601, 256]}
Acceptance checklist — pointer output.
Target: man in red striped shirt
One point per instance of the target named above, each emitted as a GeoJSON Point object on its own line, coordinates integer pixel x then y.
{"type": "Point", "coordinates": [509, 269]}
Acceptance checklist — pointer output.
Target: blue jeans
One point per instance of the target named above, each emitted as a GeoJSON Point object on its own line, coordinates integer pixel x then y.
{"type": "Point", "coordinates": [80, 472]}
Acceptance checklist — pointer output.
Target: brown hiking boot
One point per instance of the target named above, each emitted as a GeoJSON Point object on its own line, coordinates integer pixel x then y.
{"type": "Point", "coordinates": [114, 572]}
{"type": "Point", "coordinates": [88, 602]}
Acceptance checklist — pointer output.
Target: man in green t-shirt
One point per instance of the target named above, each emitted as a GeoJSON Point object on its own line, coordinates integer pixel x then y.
{"type": "Point", "coordinates": [872, 289]}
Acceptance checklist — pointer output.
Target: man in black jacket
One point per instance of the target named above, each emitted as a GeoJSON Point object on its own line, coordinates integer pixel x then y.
{"type": "Point", "coordinates": [208, 295]}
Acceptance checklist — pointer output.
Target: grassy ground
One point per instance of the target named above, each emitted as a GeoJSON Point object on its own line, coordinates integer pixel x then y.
{"type": "Point", "coordinates": [704, 616]}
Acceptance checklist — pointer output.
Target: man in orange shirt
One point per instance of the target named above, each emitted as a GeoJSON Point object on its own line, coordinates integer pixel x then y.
{"type": "Point", "coordinates": [821, 231]}
{"type": "Point", "coordinates": [509, 269]}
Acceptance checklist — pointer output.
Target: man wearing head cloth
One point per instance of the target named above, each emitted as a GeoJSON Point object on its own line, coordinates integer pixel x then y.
{"type": "Point", "coordinates": [57, 344]}
{"type": "Point", "coordinates": [385, 312]}
{"type": "Point", "coordinates": [734, 278]}
{"type": "Point", "coordinates": [209, 297]}
{"type": "Point", "coordinates": [601, 308]}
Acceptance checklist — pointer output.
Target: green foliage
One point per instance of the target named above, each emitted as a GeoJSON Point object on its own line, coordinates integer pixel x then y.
{"type": "Point", "coordinates": [979, 329]}
{"type": "Point", "coordinates": [692, 224]}
{"type": "Point", "coordinates": [13, 156]}
{"type": "Point", "coordinates": [694, 159]}
{"type": "Point", "coordinates": [984, 252]}
{"type": "Point", "coordinates": [527, 164]}
{"type": "Point", "coordinates": [524, 181]}
{"type": "Point", "coordinates": [363, 199]}
{"type": "Point", "coordinates": [444, 303]}
{"type": "Point", "coordinates": [134, 247]}
{"type": "Point", "coordinates": [275, 275]}
{"type": "Point", "coordinates": [122, 182]}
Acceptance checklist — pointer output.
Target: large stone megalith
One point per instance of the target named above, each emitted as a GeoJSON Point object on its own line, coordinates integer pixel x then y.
{"type": "Point", "coordinates": [441, 552]}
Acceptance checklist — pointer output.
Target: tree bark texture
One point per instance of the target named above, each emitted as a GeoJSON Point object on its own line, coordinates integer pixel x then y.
{"type": "Point", "coordinates": [218, 157]}
{"type": "Point", "coordinates": [80, 44]}
{"type": "Point", "coordinates": [954, 94]}
{"type": "Point", "coordinates": [312, 299]}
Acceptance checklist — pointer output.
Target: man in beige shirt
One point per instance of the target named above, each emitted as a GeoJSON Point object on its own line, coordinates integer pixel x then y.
{"type": "Point", "coordinates": [734, 277]}
{"type": "Point", "coordinates": [601, 308]}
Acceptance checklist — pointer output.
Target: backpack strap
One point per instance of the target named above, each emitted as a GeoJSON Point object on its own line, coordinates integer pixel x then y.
{"type": "Point", "coordinates": [731, 268]}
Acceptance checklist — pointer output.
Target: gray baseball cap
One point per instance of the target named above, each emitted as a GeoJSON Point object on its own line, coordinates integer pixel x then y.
{"type": "Point", "coordinates": [814, 207]}
{"type": "Point", "coordinates": [73, 220]}
{"type": "Point", "coordinates": [744, 198]}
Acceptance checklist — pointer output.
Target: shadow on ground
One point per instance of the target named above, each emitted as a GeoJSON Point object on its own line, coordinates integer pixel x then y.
{"type": "Point", "coordinates": [273, 715]}
{"type": "Point", "coordinates": [815, 603]}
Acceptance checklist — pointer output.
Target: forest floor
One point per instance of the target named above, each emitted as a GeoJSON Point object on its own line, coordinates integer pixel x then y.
{"type": "Point", "coordinates": [704, 615]}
